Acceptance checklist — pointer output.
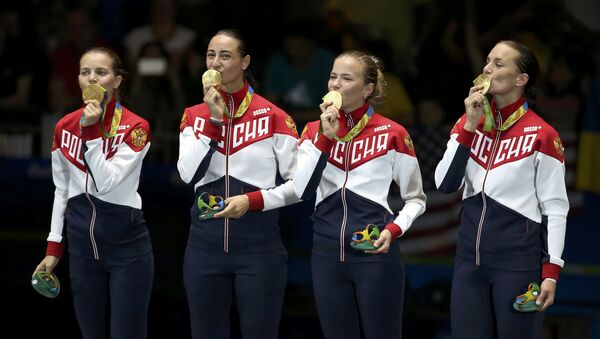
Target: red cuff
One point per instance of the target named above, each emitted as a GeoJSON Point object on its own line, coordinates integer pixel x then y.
{"type": "Point", "coordinates": [256, 201]}
{"type": "Point", "coordinates": [91, 132]}
{"type": "Point", "coordinates": [55, 249]}
{"type": "Point", "coordinates": [324, 144]}
{"type": "Point", "coordinates": [465, 137]}
{"type": "Point", "coordinates": [550, 271]}
{"type": "Point", "coordinates": [394, 229]}
{"type": "Point", "coordinates": [212, 131]}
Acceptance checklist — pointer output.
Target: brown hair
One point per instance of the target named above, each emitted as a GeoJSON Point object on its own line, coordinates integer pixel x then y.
{"type": "Point", "coordinates": [526, 62]}
{"type": "Point", "coordinates": [117, 66]}
{"type": "Point", "coordinates": [373, 73]}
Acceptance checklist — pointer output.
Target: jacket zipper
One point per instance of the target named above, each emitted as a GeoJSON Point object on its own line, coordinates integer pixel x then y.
{"type": "Point", "coordinates": [93, 219]}
{"type": "Point", "coordinates": [227, 150]}
{"type": "Point", "coordinates": [484, 208]}
{"type": "Point", "coordinates": [344, 202]}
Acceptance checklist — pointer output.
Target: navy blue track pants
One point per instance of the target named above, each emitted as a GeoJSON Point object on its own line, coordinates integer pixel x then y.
{"type": "Point", "coordinates": [256, 280]}
{"type": "Point", "coordinates": [481, 303]}
{"type": "Point", "coordinates": [115, 292]}
{"type": "Point", "coordinates": [359, 295]}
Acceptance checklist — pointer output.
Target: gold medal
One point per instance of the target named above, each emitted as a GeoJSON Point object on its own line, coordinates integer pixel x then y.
{"type": "Point", "coordinates": [485, 80]}
{"type": "Point", "coordinates": [335, 98]}
{"type": "Point", "coordinates": [94, 92]}
{"type": "Point", "coordinates": [212, 78]}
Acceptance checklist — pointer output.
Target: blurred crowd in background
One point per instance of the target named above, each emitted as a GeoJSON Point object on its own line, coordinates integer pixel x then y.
{"type": "Point", "coordinates": [432, 50]}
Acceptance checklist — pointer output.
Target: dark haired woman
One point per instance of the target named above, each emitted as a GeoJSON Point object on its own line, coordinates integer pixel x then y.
{"type": "Point", "coordinates": [234, 145]}
{"type": "Point", "coordinates": [510, 164]}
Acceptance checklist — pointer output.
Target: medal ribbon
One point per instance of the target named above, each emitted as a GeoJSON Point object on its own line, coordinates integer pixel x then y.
{"type": "Point", "coordinates": [114, 124]}
{"type": "Point", "coordinates": [489, 117]}
{"type": "Point", "coordinates": [243, 106]}
{"type": "Point", "coordinates": [116, 119]}
{"type": "Point", "coordinates": [356, 129]}
{"type": "Point", "coordinates": [489, 120]}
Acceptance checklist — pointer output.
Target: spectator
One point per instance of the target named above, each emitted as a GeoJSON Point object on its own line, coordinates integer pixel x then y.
{"type": "Point", "coordinates": [163, 27]}
{"type": "Point", "coordinates": [295, 75]}
{"type": "Point", "coordinates": [156, 93]}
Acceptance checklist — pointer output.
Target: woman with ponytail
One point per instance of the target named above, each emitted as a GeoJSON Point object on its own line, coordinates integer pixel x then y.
{"type": "Point", "coordinates": [350, 158]}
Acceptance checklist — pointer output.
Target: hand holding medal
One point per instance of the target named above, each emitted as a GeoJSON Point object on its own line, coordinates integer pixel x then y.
{"type": "Point", "coordinates": [332, 102]}
{"type": "Point", "coordinates": [211, 82]}
{"type": "Point", "coordinates": [94, 98]}
{"type": "Point", "coordinates": [485, 81]}
{"type": "Point", "coordinates": [489, 123]}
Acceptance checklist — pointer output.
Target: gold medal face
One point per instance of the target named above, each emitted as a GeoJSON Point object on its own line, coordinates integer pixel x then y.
{"type": "Point", "coordinates": [93, 92]}
{"type": "Point", "coordinates": [335, 98]}
{"type": "Point", "coordinates": [485, 80]}
{"type": "Point", "coordinates": [212, 78]}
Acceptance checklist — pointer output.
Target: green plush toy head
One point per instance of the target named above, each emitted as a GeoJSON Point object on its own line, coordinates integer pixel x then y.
{"type": "Point", "coordinates": [363, 240]}
{"type": "Point", "coordinates": [46, 284]}
{"type": "Point", "coordinates": [526, 301]}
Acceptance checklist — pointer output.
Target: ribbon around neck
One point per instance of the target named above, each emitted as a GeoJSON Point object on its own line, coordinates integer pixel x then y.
{"type": "Point", "coordinates": [512, 119]}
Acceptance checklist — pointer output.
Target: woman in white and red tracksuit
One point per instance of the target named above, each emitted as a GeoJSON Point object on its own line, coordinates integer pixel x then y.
{"type": "Point", "coordinates": [234, 143]}
{"type": "Point", "coordinates": [351, 165]}
{"type": "Point", "coordinates": [96, 171]}
{"type": "Point", "coordinates": [513, 218]}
